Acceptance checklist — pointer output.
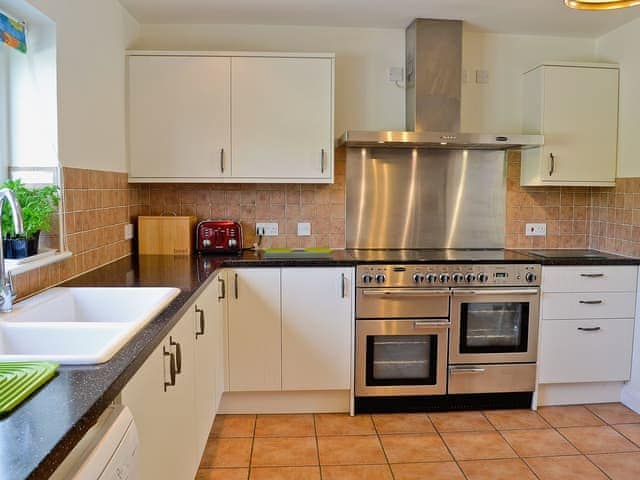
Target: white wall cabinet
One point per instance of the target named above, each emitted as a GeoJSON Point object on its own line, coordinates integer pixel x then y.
{"type": "Point", "coordinates": [230, 117]}
{"type": "Point", "coordinates": [575, 107]}
{"type": "Point", "coordinates": [179, 117]}
{"type": "Point", "coordinates": [254, 329]}
{"type": "Point", "coordinates": [316, 328]}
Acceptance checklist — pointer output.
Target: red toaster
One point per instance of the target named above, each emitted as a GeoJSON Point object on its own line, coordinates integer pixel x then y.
{"type": "Point", "coordinates": [218, 236]}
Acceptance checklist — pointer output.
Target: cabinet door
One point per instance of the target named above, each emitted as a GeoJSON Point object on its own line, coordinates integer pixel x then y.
{"type": "Point", "coordinates": [316, 328]}
{"type": "Point", "coordinates": [207, 338]}
{"type": "Point", "coordinates": [162, 413]}
{"type": "Point", "coordinates": [282, 117]}
{"type": "Point", "coordinates": [580, 124]}
{"type": "Point", "coordinates": [179, 115]}
{"type": "Point", "coordinates": [254, 329]}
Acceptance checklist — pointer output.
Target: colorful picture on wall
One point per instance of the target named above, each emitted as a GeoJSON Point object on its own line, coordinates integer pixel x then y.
{"type": "Point", "coordinates": [13, 33]}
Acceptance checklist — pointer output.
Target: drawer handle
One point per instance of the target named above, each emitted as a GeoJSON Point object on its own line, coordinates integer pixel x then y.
{"type": "Point", "coordinates": [172, 369]}
{"type": "Point", "coordinates": [590, 302]}
{"type": "Point", "coordinates": [431, 324]}
{"type": "Point", "coordinates": [223, 289]}
{"type": "Point", "coordinates": [466, 370]}
{"type": "Point", "coordinates": [200, 312]}
{"type": "Point", "coordinates": [172, 343]}
{"type": "Point", "coordinates": [592, 275]}
{"type": "Point", "coordinates": [589, 329]}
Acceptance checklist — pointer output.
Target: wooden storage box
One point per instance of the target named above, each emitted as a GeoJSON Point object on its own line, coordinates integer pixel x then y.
{"type": "Point", "coordinates": [166, 235]}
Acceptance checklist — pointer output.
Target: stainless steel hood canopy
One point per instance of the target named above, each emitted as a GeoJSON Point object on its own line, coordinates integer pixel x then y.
{"type": "Point", "coordinates": [433, 89]}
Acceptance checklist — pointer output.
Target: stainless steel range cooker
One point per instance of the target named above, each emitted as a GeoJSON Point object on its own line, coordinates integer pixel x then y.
{"type": "Point", "coordinates": [446, 336]}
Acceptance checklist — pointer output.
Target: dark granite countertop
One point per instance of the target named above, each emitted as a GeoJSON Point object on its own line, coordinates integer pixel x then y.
{"type": "Point", "coordinates": [39, 434]}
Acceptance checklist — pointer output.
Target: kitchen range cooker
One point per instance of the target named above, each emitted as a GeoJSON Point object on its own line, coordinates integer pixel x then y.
{"type": "Point", "coordinates": [441, 336]}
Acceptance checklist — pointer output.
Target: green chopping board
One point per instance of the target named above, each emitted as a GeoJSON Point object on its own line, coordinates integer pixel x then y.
{"type": "Point", "coordinates": [18, 380]}
{"type": "Point", "coordinates": [298, 252]}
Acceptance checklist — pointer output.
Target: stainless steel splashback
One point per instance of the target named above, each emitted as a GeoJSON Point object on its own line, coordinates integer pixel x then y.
{"type": "Point", "coordinates": [425, 198]}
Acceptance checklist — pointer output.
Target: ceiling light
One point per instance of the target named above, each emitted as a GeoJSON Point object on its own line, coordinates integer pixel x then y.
{"type": "Point", "coordinates": [600, 4]}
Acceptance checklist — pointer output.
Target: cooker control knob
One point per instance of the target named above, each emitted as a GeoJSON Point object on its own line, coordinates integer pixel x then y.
{"type": "Point", "coordinates": [366, 278]}
{"type": "Point", "coordinates": [530, 277]}
{"type": "Point", "coordinates": [418, 277]}
{"type": "Point", "coordinates": [483, 277]}
{"type": "Point", "coordinates": [470, 277]}
{"type": "Point", "coordinates": [444, 278]}
{"type": "Point", "coordinates": [431, 278]}
{"type": "Point", "coordinates": [381, 278]}
{"type": "Point", "coordinates": [457, 277]}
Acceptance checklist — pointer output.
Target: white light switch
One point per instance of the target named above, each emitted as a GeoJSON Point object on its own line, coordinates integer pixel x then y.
{"type": "Point", "coordinates": [482, 76]}
{"type": "Point", "coordinates": [536, 230]}
{"type": "Point", "coordinates": [395, 74]}
{"type": "Point", "coordinates": [304, 229]}
{"type": "Point", "coordinates": [128, 231]}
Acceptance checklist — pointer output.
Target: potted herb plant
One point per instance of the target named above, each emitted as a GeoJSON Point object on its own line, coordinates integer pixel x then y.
{"type": "Point", "coordinates": [38, 204]}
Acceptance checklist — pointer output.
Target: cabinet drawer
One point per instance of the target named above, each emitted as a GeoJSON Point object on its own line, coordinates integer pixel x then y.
{"type": "Point", "coordinates": [492, 378]}
{"type": "Point", "coordinates": [570, 355]}
{"type": "Point", "coordinates": [589, 279]}
{"type": "Point", "coordinates": [588, 305]}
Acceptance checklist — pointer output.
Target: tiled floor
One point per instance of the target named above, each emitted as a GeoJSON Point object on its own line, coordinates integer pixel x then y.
{"type": "Point", "coordinates": [592, 442]}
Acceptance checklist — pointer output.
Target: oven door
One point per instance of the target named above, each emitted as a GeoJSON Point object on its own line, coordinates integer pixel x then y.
{"type": "Point", "coordinates": [401, 357]}
{"type": "Point", "coordinates": [494, 325]}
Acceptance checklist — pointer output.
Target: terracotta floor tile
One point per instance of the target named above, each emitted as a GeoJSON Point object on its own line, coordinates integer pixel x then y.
{"type": "Point", "coordinates": [631, 431]}
{"type": "Point", "coordinates": [343, 424]}
{"type": "Point", "coordinates": [565, 468]}
{"type": "Point", "coordinates": [285, 473]}
{"type": "Point", "coordinates": [619, 466]}
{"type": "Point", "coordinates": [569, 416]}
{"type": "Point", "coordinates": [230, 426]}
{"type": "Point", "coordinates": [426, 447]}
{"type": "Point", "coordinates": [351, 450]}
{"type": "Point", "coordinates": [403, 423]}
{"type": "Point", "coordinates": [597, 439]}
{"type": "Point", "coordinates": [460, 422]}
{"type": "Point", "coordinates": [497, 470]}
{"type": "Point", "coordinates": [539, 443]}
{"type": "Point", "coordinates": [227, 452]}
{"type": "Point", "coordinates": [284, 452]}
{"type": "Point", "coordinates": [285, 426]}
{"type": "Point", "coordinates": [223, 474]}
{"type": "Point", "coordinates": [356, 472]}
{"type": "Point", "coordinates": [515, 419]}
{"type": "Point", "coordinates": [478, 445]}
{"type": "Point", "coordinates": [430, 471]}
{"type": "Point", "coordinates": [613, 413]}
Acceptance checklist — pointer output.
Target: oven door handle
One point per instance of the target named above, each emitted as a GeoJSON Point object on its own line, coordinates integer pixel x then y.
{"type": "Point", "coordinates": [502, 291]}
{"type": "Point", "coordinates": [455, 370]}
{"type": "Point", "coordinates": [404, 292]}
{"type": "Point", "coordinates": [427, 324]}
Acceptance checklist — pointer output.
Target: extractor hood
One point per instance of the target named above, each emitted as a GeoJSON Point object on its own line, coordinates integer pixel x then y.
{"type": "Point", "coordinates": [433, 89]}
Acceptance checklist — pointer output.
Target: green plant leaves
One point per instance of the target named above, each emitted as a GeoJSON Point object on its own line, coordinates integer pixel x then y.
{"type": "Point", "coordinates": [38, 204]}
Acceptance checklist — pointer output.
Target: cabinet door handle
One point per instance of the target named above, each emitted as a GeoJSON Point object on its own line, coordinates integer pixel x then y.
{"type": "Point", "coordinates": [322, 161]}
{"type": "Point", "coordinates": [343, 286]}
{"type": "Point", "coordinates": [552, 166]}
{"type": "Point", "coordinates": [222, 160]}
{"type": "Point", "coordinates": [590, 302]}
{"type": "Point", "coordinates": [223, 289]}
{"type": "Point", "coordinates": [589, 329]}
{"type": "Point", "coordinates": [172, 369]}
{"type": "Point", "coordinates": [201, 313]}
{"type": "Point", "coordinates": [178, 354]}
{"type": "Point", "coordinates": [592, 275]}
{"type": "Point", "coordinates": [235, 285]}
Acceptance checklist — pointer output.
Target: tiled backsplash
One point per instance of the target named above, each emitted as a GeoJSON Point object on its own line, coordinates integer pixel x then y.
{"type": "Point", "coordinates": [321, 205]}
{"type": "Point", "coordinates": [96, 206]}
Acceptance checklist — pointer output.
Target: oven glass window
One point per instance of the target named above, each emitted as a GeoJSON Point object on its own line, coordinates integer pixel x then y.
{"type": "Point", "coordinates": [494, 327]}
{"type": "Point", "coordinates": [401, 360]}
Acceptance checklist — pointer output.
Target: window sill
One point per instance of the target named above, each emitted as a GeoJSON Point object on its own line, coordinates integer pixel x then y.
{"type": "Point", "coordinates": [26, 267]}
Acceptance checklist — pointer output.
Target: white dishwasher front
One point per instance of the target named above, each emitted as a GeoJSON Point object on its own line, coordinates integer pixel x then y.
{"type": "Point", "coordinates": [109, 451]}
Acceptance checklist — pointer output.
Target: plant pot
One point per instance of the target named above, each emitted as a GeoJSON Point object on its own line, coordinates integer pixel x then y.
{"type": "Point", "coordinates": [21, 247]}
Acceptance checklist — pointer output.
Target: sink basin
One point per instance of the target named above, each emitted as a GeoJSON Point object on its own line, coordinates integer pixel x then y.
{"type": "Point", "coordinates": [78, 325]}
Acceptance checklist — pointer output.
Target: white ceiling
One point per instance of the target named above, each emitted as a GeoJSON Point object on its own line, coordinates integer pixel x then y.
{"type": "Point", "coordinates": [539, 17]}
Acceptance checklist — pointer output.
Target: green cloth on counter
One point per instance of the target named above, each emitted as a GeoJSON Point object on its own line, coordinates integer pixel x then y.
{"type": "Point", "coordinates": [18, 380]}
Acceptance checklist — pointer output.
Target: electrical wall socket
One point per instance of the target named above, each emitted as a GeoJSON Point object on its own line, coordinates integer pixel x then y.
{"type": "Point", "coordinates": [128, 231]}
{"type": "Point", "coordinates": [536, 230]}
{"type": "Point", "coordinates": [482, 76]}
{"type": "Point", "coordinates": [267, 229]}
{"type": "Point", "coordinates": [304, 229]}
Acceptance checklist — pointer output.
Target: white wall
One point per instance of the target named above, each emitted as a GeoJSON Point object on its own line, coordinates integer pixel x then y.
{"type": "Point", "coordinates": [364, 99]}
{"type": "Point", "coordinates": [621, 46]}
{"type": "Point", "coordinates": [496, 107]}
{"type": "Point", "coordinates": [91, 38]}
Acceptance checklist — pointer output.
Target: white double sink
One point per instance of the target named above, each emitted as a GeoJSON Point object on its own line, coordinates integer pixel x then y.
{"type": "Point", "coordinates": [78, 325]}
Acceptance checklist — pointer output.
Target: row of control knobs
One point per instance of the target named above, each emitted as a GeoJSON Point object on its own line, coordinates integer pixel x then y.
{"type": "Point", "coordinates": [443, 278]}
